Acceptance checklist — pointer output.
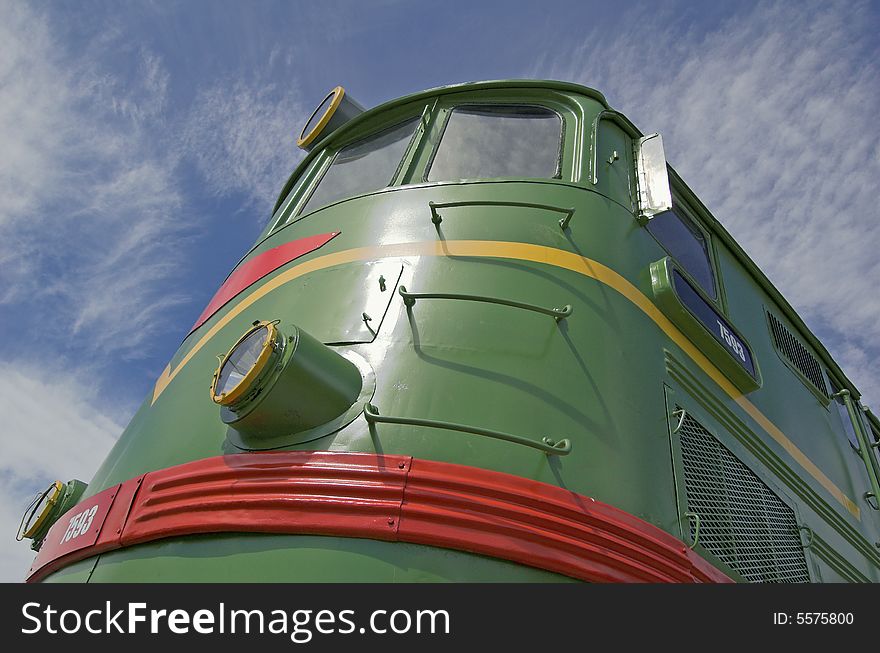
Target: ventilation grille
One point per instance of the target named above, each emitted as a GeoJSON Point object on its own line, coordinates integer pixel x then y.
{"type": "Point", "coordinates": [742, 521]}
{"type": "Point", "coordinates": [797, 354]}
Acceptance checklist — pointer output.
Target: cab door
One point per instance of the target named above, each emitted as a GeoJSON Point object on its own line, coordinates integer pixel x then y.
{"type": "Point", "coordinates": [612, 163]}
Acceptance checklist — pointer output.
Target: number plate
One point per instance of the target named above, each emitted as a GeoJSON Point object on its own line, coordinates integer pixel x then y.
{"type": "Point", "coordinates": [715, 323]}
{"type": "Point", "coordinates": [78, 528]}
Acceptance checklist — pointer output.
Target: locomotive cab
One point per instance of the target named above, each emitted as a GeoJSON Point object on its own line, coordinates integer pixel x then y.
{"type": "Point", "coordinates": [486, 335]}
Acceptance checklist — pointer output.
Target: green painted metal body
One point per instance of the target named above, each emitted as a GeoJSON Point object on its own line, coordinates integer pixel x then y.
{"type": "Point", "coordinates": [607, 377]}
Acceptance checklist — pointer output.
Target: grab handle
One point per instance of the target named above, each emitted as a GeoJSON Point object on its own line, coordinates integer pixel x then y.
{"type": "Point", "coordinates": [548, 446]}
{"type": "Point", "coordinates": [410, 298]}
{"type": "Point", "coordinates": [563, 222]}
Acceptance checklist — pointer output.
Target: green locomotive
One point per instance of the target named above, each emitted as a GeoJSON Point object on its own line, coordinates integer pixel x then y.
{"type": "Point", "coordinates": [487, 335]}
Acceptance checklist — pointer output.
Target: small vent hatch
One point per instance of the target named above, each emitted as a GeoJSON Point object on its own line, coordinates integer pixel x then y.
{"type": "Point", "coordinates": [797, 354]}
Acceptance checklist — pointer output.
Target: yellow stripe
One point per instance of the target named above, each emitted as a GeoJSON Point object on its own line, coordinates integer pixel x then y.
{"type": "Point", "coordinates": [538, 254]}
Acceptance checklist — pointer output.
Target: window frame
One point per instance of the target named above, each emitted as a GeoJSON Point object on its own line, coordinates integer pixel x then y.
{"type": "Point", "coordinates": [690, 220]}
{"type": "Point", "coordinates": [289, 207]}
{"type": "Point", "coordinates": [446, 115]}
{"type": "Point", "coordinates": [415, 162]}
{"type": "Point", "coordinates": [330, 153]}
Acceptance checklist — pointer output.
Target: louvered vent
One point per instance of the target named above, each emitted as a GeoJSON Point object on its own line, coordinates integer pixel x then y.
{"type": "Point", "coordinates": [742, 521]}
{"type": "Point", "coordinates": [798, 355]}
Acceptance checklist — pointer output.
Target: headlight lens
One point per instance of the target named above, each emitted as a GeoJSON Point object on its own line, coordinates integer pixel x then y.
{"type": "Point", "coordinates": [36, 514]}
{"type": "Point", "coordinates": [244, 363]}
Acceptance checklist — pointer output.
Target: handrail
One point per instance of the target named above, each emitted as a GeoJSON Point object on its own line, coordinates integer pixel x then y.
{"type": "Point", "coordinates": [875, 424]}
{"type": "Point", "coordinates": [682, 414]}
{"type": "Point", "coordinates": [871, 464]}
{"type": "Point", "coordinates": [696, 518]}
{"type": "Point", "coordinates": [548, 446]}
{"type": "Point", "coordinates": [409, 298]}
{"type": "Point", "coordinates": [437, 219]}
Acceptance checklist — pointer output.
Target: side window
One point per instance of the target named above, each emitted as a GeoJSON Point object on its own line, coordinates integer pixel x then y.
{"type": "Point", "coordinates": [363, 166]}
{"type": "Point", "coordinates": [496, 141]}
{"type": "Point", "coordinates": [687, 245]}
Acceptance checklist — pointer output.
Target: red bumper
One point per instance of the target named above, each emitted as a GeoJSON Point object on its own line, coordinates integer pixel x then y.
{"type": "Point", "coordinates": [396, 498]}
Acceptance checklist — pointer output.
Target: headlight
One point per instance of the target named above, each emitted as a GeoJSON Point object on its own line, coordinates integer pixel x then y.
{"type": "Point", "coordinates": [246, 363]}
{"type": "Point", "coordinates": [274, 385]}
{"type": "Point", "coordinates": [45, 509]}
{"type": "Point", "coordinates": [36, 515]}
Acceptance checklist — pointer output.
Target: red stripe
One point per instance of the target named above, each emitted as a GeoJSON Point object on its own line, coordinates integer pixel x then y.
{"type": "Point", "coordinates": [54, 554]}
{"type": "Point", "coordinates": [258, 267]}
{"type": "Point", "coordinates": [394, 498]}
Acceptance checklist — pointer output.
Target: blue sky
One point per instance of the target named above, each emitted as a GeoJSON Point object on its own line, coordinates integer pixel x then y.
{"type": "Point", "coordinates": [144, 145]}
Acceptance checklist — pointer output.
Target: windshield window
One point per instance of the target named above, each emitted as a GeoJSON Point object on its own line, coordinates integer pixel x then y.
{"type": "Point", "coordinates": [364, 166]}
{"type": "Point", "coordinates": [492, 141]}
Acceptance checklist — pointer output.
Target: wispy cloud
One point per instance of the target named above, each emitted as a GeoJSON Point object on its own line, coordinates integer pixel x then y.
{"type": "Point", "coordinates": [95, 227]}
{"type": "Point", "coordinates": [89, 206]}
{"type": "Point", "coordinates": [89, 237]}
{"type": "Point", "coordinates": [32, 124]}
{"type": "Point", "coordinates": [242, 136]}
{"type": "Point", "coordinates": [771, 119]}
{"type": "Point", "coordinates": [54, 431]}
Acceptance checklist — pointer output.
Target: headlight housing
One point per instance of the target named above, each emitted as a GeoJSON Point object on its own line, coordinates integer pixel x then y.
{"type": "Point", "coordinates": [246, 363]}
{"type": "Point", "coordinates": [276, 388]}
{"type": "Point", "coordinates": [45, 509]}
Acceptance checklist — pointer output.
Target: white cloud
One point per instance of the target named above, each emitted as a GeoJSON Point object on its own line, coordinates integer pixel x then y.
{"type": "Point", "coordinates": [771, 119]}
{"type": "Point", "coordinates": [41, 444]}
{"type": "Point", "coordinates": [242, 136]}
{"type": "Point", "coordinates": [94, 225]}
{"type": "Point", "coordinates": [90, 220]}
{"type": "Point", "coordinates": [89, 234]}
{"type": "Point", "coordinates": [32, 124]}
{"type": "Point", "coordinates": [52, 431]}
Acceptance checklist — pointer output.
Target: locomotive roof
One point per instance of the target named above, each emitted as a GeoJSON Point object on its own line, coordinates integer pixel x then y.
{"type": "Point", "coordinates": [677, 183]}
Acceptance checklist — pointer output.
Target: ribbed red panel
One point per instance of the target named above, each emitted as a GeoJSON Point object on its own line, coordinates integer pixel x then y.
{"type": "Point", "coordinates": [394, 498]}
{"type": "Point", "coordinates": [347, 494]}
{"type": "Point", "coordinates": [54, 554]}
{"type": "Point", "coordinates": [541, 525]}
